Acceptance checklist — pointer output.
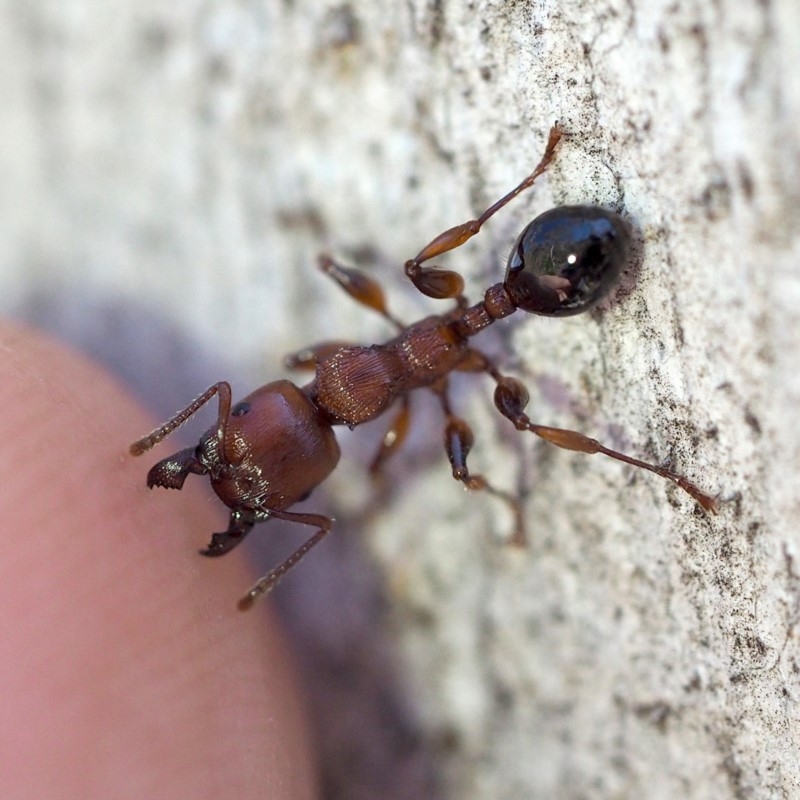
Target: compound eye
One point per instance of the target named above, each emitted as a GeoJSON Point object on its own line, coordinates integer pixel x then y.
{"type": "Point", "coordinates": [240, 409]}
{"type": "Point", "coordinates": [567, 260]}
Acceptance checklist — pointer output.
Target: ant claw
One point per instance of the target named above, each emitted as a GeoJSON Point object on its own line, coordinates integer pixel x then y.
{"type": "Point", "coordinates": [222, 543]}
{"type": "Point", "coordinates": [170, 473]}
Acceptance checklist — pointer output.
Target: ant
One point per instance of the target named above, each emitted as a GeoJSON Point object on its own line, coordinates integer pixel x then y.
{"type": "Point", "coordinates": [271, 449]}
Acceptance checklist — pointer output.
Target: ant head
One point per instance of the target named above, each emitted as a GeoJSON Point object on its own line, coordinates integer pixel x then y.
{"type": "Point", "coordinates": [567, 260]}
{"type": "Point", "coordinates": [277, 448]}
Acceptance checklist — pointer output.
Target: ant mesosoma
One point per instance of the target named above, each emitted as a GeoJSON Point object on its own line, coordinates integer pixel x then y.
{"type": "Point", "coordinates": [270, 450]}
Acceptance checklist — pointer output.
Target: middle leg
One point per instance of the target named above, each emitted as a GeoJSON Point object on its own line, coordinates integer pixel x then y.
{"type": "Point", "coordinates": [363, 289]}
{"type": "Point", "coordinates": [458, 441]}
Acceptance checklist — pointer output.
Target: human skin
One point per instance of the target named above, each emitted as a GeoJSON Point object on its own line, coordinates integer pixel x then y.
{"type": "Point", "coordinates": [126, 669]}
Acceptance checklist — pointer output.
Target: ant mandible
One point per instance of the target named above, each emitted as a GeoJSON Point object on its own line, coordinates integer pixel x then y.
{"type": "Point", "coordinates": [270, 450]}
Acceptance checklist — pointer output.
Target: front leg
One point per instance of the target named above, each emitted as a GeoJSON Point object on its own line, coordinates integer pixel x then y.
{"type": "Point", "coordinates": [170, 473]}
{"type": "Point", "coordinates": [266, 584]}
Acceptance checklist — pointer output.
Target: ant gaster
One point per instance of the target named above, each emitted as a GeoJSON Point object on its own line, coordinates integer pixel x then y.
{"type": "Point", "coordinates": [270, 450]}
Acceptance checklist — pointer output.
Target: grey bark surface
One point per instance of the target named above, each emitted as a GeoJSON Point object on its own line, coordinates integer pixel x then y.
{"type": "Point", "coordinates": [168, 173]}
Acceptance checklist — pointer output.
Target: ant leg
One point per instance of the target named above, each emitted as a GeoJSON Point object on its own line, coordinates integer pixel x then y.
{"type": "Point", "coordinates": [360, 287]}
{"type": "Point", "coordinates": [511, 397]}
{"type": "Point", "coordinates": [394, 436]}
{"type": "Point", "coordinates": [458, 441]}
{"type": "Point", "coordinates": [266, 584]}
{"type": "Point", "coordinates": [308, 357]}
{"type": "Point", "coordinates": [222, 390]}
{"type": "Point", "coordinates": [441, 284]}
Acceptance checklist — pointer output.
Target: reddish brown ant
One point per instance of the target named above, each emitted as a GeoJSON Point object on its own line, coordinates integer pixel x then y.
{"type": "Point", "coordinates": [270, 450]}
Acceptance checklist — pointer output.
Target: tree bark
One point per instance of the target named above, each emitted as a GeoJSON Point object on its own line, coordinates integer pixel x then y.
{"type": "Point", "coordinates": [170, 173]}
